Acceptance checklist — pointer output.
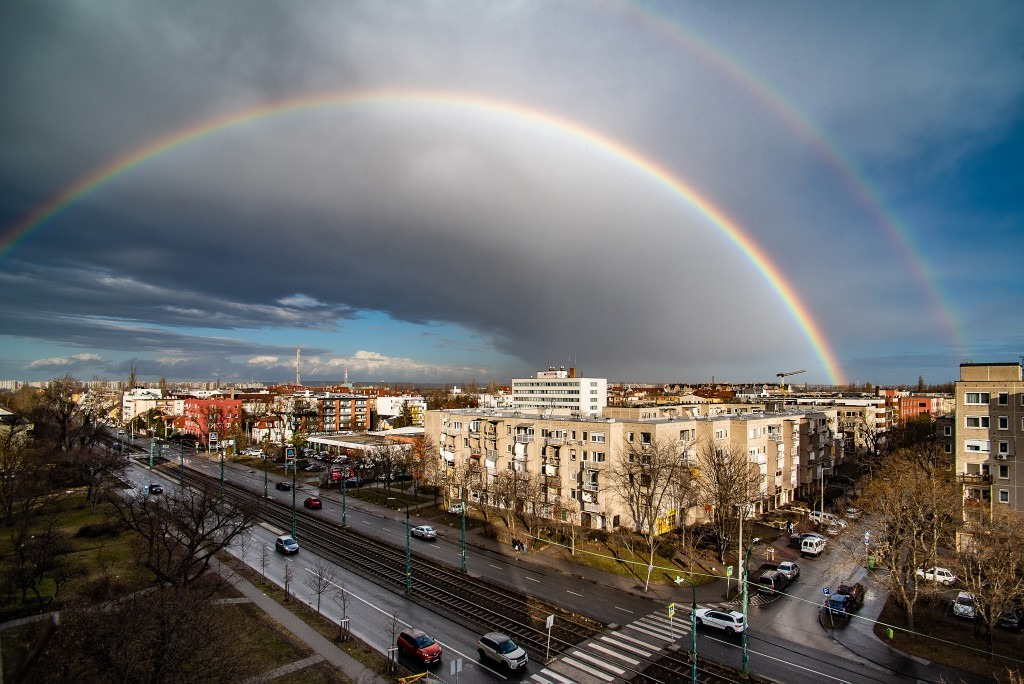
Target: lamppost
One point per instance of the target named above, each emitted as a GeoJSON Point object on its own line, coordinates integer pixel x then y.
{"type": "Point", "coordinates": [743, 576]}
{"type": "Point", "coordinates": [222, 470]}
{"type": "Point", "coordinates": [266, 492]}
{"type": "Point", "coordinates": [344, 497]}
{"type": "Point", "coordinates": [463, 530]}
{"type": "Point", "coordinates": [293, 491]}
{"type": "Point", "coordinates": [408, 550]}
{"type": "Point", "coordinates": [693, 628]}
{"type": "Point", "coordinates": [181, 471]}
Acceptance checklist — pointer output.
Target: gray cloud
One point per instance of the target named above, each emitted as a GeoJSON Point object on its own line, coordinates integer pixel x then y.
{"type": "Point", "coordinates": [538, 244]}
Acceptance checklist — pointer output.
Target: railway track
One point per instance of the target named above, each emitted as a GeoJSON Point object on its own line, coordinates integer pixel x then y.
{"type": "Point", "coordinates": [471, 601]}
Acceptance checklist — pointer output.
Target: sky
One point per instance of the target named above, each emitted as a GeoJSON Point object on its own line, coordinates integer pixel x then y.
{"type": "Point", "coordinates": [453, 191]}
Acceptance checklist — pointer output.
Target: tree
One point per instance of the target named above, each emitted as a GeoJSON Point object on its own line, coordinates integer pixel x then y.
{"type": "Point", "coordinates": [22, 468]}
{"type": "Point", "coordinates": [40, 559]}
{"type": "Point", "coordinates": [341, 598]}
{"type": "Point", "coordinates": [653, 481]}
{"type": "Point", "coordinates": [67, 417]}
{"type": "Point", "coordinates": [96, 467]}
{"type": "Point", "coordinates": [181, 532]}
{"type": "Point", "coordinates": [388, 459]}
{"type": "Point", "coordinates": [510, 490]}
{"type": "Point", "coordinates": [726, 479]}
{"type": "Point", "coordinates": [916, 497]}
{"type": "Point", "coordinates": [990, 563]}
{"type": "Point", "coordinates": [319, 580]}
{"type": "Point", "coordinates": [431, 470]}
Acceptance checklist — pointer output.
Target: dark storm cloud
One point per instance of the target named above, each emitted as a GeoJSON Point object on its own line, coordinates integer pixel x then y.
{"type": "Point", "coordinates": [539, 245]}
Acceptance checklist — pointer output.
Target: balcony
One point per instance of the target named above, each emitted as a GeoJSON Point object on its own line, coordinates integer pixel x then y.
{"type": "Point", "coordinates": [595, 465]}
{"type": "Point", "coordinates": [556, 441]}
{"type": "Point", "coordinates": [591, 507]}
{"type": "Point", "coordinates": [524, 439]}
{"type": "Point", "coordinates": [974, 479]}
{"type": "Point", "coordinates": [775, 436]}
{"type": "Point", "coordinates": [591, 487]}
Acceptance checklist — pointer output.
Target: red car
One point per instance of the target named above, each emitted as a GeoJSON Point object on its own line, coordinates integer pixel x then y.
{"type": "Point", "coordinates": [417, 644]}
{"type": "Point", "coordinates": [313, 502]}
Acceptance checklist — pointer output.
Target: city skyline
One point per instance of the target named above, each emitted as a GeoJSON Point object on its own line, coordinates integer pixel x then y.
{"type": "Point", "coordinates": [648, 191]}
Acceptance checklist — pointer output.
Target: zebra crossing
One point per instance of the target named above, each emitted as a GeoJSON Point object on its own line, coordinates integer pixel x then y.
{"type": "Point", "coordinates": [618, 655]}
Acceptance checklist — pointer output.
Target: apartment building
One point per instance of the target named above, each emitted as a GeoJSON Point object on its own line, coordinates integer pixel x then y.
{"type": "Point", "coordinates": [572, 457]}
{"type": "Point", "coordinates": [560, 391]}
{"type": "Point", "coordinates": [338, 412]}
{"type": "Point", "coordinates": [989, 433]}
{"type": "Point", "coordinates": [917, 405]}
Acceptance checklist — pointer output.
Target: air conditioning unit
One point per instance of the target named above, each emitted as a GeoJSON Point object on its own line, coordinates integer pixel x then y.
{"type": "Point", "coordinates": [1001, 457]}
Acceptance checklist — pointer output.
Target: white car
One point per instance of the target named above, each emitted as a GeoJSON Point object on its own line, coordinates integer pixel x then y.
{"type": "Point", "coordinates": [963, 605]}
{"type": "Point", "coordinates": [455, 509]}
{"type": "Point", "coordinates": [941, 575]}
{"type": "Point", "coordinates": [728, 621]}
{"type": "Point", "coordinates": [424, 532]}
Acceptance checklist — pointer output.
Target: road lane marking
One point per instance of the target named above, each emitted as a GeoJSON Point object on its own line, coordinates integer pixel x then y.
{"type": "Point", "coordinates": [575, 594]}
{"type": "Point", "coordinates": [533, 580]}
{"type": "Point", "coordinates": [624, 610]}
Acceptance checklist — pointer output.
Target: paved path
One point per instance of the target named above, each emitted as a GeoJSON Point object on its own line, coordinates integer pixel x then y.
{"type": "Point", "coordinates": [322, 647]}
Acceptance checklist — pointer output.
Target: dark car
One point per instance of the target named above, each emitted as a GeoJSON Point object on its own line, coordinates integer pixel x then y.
{"type": "Point", "coordinates": [155, 488]}
{"type": "Point", "coordinates": [314, 468]}
{"type": "Point", "coordinates": [283, 486]}
{"type": "Point", "coordinates": [313, 502]}
{"type": "Point", "coordinates": [1012, 619]}
{"type": "Point", "coordinates": [353, 482]}
{"type": "Point", "coordinates": [418, 644]}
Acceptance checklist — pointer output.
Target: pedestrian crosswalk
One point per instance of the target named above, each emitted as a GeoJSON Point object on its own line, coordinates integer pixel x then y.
{"type": "Point", "coordinates": [620, 654]}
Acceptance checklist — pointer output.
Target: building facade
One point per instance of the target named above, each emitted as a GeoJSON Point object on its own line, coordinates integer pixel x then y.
{"type": "Point", "coordinates": [989, 434]}
{"type": "Point", "coordinates": [560, 391]}
{"type": "Point", "coordinates": [571, 459]}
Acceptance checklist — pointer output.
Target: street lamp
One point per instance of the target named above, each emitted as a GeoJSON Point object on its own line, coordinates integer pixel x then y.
{"type": "Point", "coordinates": [693, 628]}
{"type": "Point", "coordinates": [463, 529]}
{"type": "Point", "coordinates": [743, 576]}
{"type": "Point", "coordinates": [408, 550]}
{"type": "Point", "coordinates": [344, 496]}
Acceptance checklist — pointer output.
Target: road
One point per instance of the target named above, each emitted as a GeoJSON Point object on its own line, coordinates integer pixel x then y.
{"type": "Point", "coordinates": [786, 641]}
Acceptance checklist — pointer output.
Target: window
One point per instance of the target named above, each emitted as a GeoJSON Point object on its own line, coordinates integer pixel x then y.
{"type": "Point", "coordinates": [597, 437]}
{"type": "Point", "coordinates": [508, 448]}
{"type": "Point", "coordinates": [1003, 398]}
{"type": "Point", "coordinates": [629, 437]}
{"type": "Point", "coordinates": [1004, 496]}
{"type": "Point", "coordinates": [645, 437]}
{"type": "Point", "coordinates": [684, 435]}
{"type": "Point", "coordinates": [572, 455]}
{"type": "Point", "coordinates": [949, 448]}
{"type": "Point", "coordinates": [1004, 447]}
{"type": "Point", "coordinates": [977, 421]}
{"type": "Point", "coordinates": [1004, 472]}
{"type": "Point", "coordinates": [719, 434]}
{"type": "Point", "coordinates": [597, 456]}
{"type": "Point", "coordinates": [977, 398]}
{"type": "Point", "coordinates": [947, 430]}
{"type": "Point", "coordinates": [982, 445]}
{"type": "Point", "coordinates": [1004, 423]}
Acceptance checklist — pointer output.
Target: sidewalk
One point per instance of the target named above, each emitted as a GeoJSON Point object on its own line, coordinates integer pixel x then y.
{"type": "Point", "coordinates": [322, 647]}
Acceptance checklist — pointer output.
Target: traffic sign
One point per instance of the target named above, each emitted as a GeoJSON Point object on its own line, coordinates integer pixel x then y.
{"type": "Point", "coordinates": [825, 591]}
{"type": "Point", "coordinates": [671, 609]}
{"type": "Point", "coordinates": [728, 571]}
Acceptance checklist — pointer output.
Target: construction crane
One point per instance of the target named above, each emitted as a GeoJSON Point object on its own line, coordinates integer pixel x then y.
{"type": "Point", "coordinates": [782, 378]}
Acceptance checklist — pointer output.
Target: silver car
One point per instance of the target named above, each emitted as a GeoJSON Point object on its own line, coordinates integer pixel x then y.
{"type": "Point", "coordinates": [501, 650]}
{"type": "Point", "coordinates": [424, 532]}
{"type": "Point", "coordinates": [727, 621]}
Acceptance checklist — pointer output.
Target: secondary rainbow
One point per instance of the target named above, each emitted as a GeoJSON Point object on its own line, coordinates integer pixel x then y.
{"type": "Point", "coordinates": [513, 111]}
{"type": "Point", "coordinates": [658, 21]}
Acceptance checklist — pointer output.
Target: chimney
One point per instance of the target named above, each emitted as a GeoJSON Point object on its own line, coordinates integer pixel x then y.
{"type": "Point", "coordinates": [572, 371]}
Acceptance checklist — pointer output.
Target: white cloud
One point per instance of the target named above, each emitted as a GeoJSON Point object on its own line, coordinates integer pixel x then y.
{"type": "Point", "coordinates": [66, 361]}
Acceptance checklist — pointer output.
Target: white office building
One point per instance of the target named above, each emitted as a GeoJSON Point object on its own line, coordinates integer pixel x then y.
{"type": "Point", "coordinates": [560, 392]}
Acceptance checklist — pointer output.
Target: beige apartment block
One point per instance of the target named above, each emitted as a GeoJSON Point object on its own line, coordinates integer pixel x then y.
{"type": "Point", "coordinates": [572, 457]}
{"type": "Point", "coordinates": [989, 434]}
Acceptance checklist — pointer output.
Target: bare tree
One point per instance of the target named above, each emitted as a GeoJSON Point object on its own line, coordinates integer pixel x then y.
{"type": "Point", "coordinates": [653, 480]}
{"type": "Point", "coordinates": [432, 470]}
{"type": "Point", "coordinates": [22, 467]}
{"type": "Point", "coordinates": [97, 467]}
{"type": "Point", "coordinates": [320, 579]}
{"type": "Point", "coordinates": [264, 559]}
{"type": "Point", "coordinates": [571, 522]}
{"type": "Point", "coordinates": [388, 459]}
{"type": "Point", "coordinates": [178, 534]}
{"type": "Point", "coordinates": [918, 501]}
{"type": "Point", "coordinates": [340, 597]}
{"type": "Point", "coordinates": [510, 490]}
{"type": "Point", "coordinates": [68, 416]}
{"type": "Point", "coordinates": [40, 559]}
{"type": "Point", "coordinates": [990, 562]}
{"type": "Point", "coordinates": [394, 626]}
{"type": "Point", "coordinates": [726, 479]}
{"type": "Point", "coordinates": [287, 580]}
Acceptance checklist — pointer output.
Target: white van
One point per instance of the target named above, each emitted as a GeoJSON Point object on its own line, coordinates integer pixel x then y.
{"type": "Point", "coordinates": [812, 546]}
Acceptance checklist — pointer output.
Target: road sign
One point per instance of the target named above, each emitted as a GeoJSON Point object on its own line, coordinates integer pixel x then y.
{"type": "Point", "coordinates": [825, 591]}
{"type": "Point", "coordinates": [671, 609]}
{"type": "Point", "coordinates": [550, 622]}
{"type": "Point", "coordinates": [456, 666]}
{"type": "Point", "coordinates": [728, 571]}
{"type": "Point", "coordinates": [867, 537]}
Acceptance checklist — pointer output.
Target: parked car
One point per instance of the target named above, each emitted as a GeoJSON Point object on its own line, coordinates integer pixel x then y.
{"type": "Point", "coordinates": [771, 581]}
{"type": "Point", "coordinates": [935, 574]}
{"type": "Point", "coordinates": [418, 644]}
{"type": "Point", "coordinates": [812, 546]}
{"type": "Point", "coordinates": [455, 509]}
{"type": "Point", "coordinates": [501, 650]}
{"type": "Point", "coordinates": [790, 569]}
{"type": "Point", "coordinates": [313, 468]}
{"type": "Point", "coordinates": [156, 488]}
{"type": "Point", "coordinates": [286, 544]}
{"type": "Point", "coordinates": [283, 486]}
{"type": "Point", "coordinates": [826, 519]}
{"type": "Point", "coordinates": [963, 605]}
{"type": "Point", "coordinates": [846, 599]}
{"type": "Point", "coordinates": [352, 482]}
{"type": "Point", "coordinates": [1012, 619]}
{"type": "Point", "coordinates": [313, 502]}
{"type": "Point", "coordinates": [853, 513]}
{"type": "Point", "coordinates": [729, 621]}
{"type": "Point", "coordinates": [424, 532]}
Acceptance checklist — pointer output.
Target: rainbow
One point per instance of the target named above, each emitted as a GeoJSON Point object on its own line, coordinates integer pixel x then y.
{"type": "Point", "coordinates": [860, 188]}
{"type": "Point", "coordinates": [519, 113]}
